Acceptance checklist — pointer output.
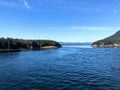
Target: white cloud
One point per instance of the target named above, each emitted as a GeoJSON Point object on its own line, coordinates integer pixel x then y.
{"type": "Point", "coordinates": [79, 28]}
{"type": "Point", "coordinates": [93, 28]}
{"type": "Point", "coordinates": [15, 4]}
{"type": "Point", "coordinates": [25, 3]}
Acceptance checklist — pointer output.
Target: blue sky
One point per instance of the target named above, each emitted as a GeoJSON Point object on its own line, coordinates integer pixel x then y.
{"type": "Point", "coordinates": [60, 20]}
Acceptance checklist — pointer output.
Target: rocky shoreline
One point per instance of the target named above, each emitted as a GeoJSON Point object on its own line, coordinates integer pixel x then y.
{"type": "Point", "coordinates": [107, 46]}
{"type": "Point", "coordinates": [16, 50]}
{"type": "Point", "coordinates": [9, 50]}
{"type": "Point", "coordinates": [49, 47]}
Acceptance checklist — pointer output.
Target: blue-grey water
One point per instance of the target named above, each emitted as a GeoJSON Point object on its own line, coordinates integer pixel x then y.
{"type": "Point", "coordinates": [67, 68]}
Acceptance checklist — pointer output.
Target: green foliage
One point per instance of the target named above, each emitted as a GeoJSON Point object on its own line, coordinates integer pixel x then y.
{"type": "Point", "coordinates": [110, 40]}
{"type": "Point", "coordinates": [10, 43]}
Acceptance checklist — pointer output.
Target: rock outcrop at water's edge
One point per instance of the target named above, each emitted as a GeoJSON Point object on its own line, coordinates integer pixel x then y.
{"type": "Point", "coordinates": [109, 42]}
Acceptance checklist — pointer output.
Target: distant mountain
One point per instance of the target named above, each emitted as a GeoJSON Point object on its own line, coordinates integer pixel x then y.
{"type": "Point", "coordinates": [112, 41]}
{"type": "Point", "coordinates": [75, 43]}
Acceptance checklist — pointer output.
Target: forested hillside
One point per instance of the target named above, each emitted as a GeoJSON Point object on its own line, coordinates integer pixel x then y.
{"type": "Point", "coordinates": [112, 41]}
{"type": "Point", "coordinates": [10, 43]}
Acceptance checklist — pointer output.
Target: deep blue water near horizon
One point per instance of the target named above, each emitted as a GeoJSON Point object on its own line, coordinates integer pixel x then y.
{"type": "Point", "coordinates": [67, 68]}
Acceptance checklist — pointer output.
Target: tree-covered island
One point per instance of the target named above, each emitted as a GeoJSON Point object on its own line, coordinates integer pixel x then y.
{"type": "Point", "coordinates": [112, 41]}
{"type": "Point", "coordinates": [21, 44]}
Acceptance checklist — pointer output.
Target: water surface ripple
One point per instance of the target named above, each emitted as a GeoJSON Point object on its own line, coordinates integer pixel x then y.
{"type": "Point", "coordinates": [67, 68]}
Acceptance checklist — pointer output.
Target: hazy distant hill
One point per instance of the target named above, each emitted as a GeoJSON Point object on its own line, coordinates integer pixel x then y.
{"type": "Point", "coordinates": [112, 41]}
{"type": "Point", "coordinates": [75, 43]}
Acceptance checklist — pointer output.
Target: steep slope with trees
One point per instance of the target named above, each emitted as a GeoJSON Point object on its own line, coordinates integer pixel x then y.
{"type": "Point", "coordinates": [112, 41]}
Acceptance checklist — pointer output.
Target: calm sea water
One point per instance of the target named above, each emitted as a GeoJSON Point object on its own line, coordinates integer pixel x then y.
{"type": "Point", "coordinates": [67, 68]}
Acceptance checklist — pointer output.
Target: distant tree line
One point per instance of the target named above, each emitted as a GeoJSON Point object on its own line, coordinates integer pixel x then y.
{"type": "Point", "coordinates": [10, 43]}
